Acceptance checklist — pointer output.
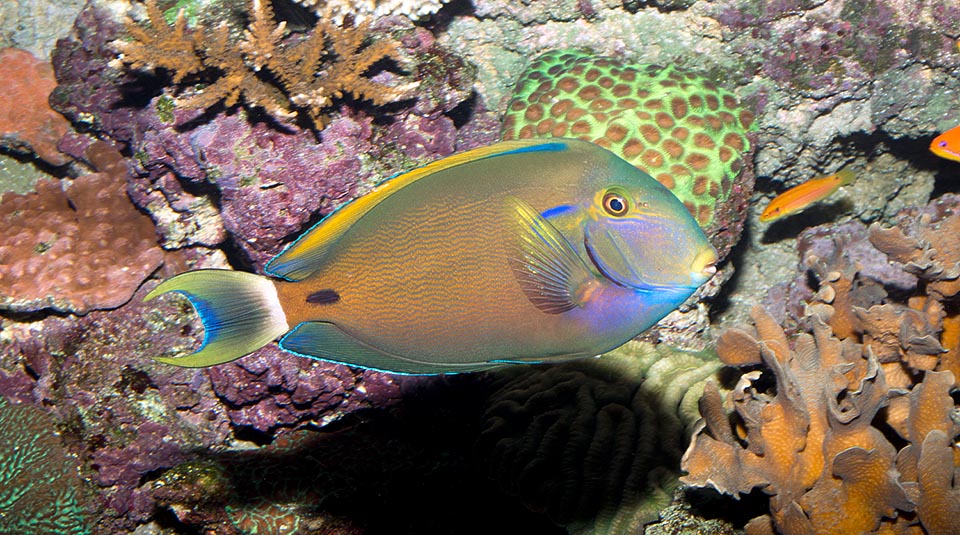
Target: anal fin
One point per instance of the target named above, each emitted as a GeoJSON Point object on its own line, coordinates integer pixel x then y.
{"type": "Point", "coordinates": [325, 341]}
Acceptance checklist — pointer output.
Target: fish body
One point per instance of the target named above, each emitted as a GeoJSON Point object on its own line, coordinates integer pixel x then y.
{"type": "Point", "coordinates": [524, 251]}
{"type": "Point", "coordinates": [800, 197]}
{"type": "Point", "coordinates": [947, 144]}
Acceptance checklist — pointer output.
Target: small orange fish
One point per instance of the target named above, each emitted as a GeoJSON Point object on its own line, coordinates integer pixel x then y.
{"type": "Point", "coordinates": [947, 144]}
{"type": "Point", "coordinates": [799, 197]}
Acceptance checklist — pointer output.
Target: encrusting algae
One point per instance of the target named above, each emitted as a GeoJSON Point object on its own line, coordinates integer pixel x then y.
{"type": "Point", "coordinates": [266, 67]}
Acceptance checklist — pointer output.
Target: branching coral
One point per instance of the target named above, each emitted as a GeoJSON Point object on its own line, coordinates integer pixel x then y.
{"type": "Point", "coordinates": [825, 438]}
{"type": "Point", "coordinates": [365, 9]}
{"type": "Point", "coordinates": [267, 68]}
{"type": "Point", "coordinates": [595, 445]}
{"type": "Point", "coordinates": [76, 250]}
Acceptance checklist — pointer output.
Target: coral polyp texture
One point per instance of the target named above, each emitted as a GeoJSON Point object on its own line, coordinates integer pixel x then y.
{"type": "Point", "coordinates": [595, 445]}
{"type": "Point", "coordinates": [678, 126]}
{"type": "Point", "coordinates": [266, 67]}
{"type": "Point", "coordinates": [76, 250]}
{"type": "Point", "coordinates": [849, 425]}
{"type": "Point", "coordinates": [40, 491]}
{"type": "Point", "coordinates": [363, 10]}
{"type": "Point", "coordinates": [26, 121]}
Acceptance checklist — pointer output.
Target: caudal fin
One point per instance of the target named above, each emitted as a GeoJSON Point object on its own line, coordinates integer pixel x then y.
{"type": "Point", "coordinates": [240, 313]}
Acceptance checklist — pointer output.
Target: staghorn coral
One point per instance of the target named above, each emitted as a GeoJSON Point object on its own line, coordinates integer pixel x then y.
{"type": "Point", "coordinates": [39, 488]}
{"type": "Point", "coordinates": [363, 10]}
{"type": "Point", "coordinates": [28, 82]}
{"type": "Point", "coordinates": [266, 68]}
{"type": "Point", "coordinates": [595, 444]}
{"type": "Point", "coordinates": [76, 250]}
{"type": "Point", "coordinates": [857, 430]}
{"type": "Point", "coordinates": [679, 127]}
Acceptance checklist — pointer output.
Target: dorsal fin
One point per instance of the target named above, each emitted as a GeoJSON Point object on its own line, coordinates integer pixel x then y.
{"type": "Point", "coordinates": [305, 256]}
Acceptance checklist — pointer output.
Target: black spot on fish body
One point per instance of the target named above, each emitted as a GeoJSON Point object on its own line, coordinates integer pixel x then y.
{"type": "Point", "coordinates": [323, 297]}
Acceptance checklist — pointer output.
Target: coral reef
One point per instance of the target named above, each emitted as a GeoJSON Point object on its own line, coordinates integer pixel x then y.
{"type": "Point", "coordinates": [595, 445]}
{"type": "Point", "coordinates": [199, 172]}
{"type": "Point", "coordinates": [29, 82]}
{"type": "Point", "coordinates": [76, 250]}
{"type": "Point", "coordinates": [39, 488]}
{"type": "Point", "coordinates": [854, 427]}
{"type": "Point", "coordinates": [679, 127]}
{"type": "Point", "coordinates": [360, 11]}
{"type": "Point", "coordinates": [265, 68]}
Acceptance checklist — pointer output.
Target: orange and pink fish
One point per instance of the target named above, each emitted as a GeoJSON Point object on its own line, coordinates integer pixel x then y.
{"type": "Point", "coordinates": [800, 197]}
{"type": "Point", "coordinates": [523, 251]}
{"type": "Point", "coordinates": [947, 144]}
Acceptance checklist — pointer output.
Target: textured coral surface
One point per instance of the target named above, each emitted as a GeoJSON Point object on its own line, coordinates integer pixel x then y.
{"type": "Point", "coordinates": [84, 248]}
{"type": "Point", "coordinates": [595, 445]}
{"type": "Point", "coordinates": [832, 83]}
{"type": "Point", "coordinates": [28, 82]}
{"type": "Point", "coordinates": [39, 488]}
{"type": "Point", "coordinates": [677, 126]}
{"type": "Point", "coordinates": [850, 426]}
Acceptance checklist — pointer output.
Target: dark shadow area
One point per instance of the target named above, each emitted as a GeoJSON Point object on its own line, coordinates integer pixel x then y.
{"type": "Point", "coordinates": [406, 470]}
{"type": "Point", "coordinates": [710, 504]}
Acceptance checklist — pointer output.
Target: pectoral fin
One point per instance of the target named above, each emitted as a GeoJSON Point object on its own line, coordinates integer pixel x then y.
{"type": "Point", "coordinates": [325, 341]}
{"type": "Point", "coordinates": [551, 273]}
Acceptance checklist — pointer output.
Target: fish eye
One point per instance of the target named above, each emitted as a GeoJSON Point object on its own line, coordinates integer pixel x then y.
{"type": "Point", "coordinates": [615, 204]}
{"type": "Point", "coordinates": [943, 144]}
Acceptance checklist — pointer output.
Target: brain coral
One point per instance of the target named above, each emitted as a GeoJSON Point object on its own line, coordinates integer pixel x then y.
{"type": "Point", "coordinates": [76, 250]}
{"type": "Point", "coordinates": [39, 487]}
{"type": "Point", "coordinates": [677, 126]}
{"type": "Point", "coordinates": [595, 444]}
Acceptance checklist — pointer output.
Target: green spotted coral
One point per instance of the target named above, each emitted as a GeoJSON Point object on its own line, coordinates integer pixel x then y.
{"type": "Point", "coordinates": [679, 127]}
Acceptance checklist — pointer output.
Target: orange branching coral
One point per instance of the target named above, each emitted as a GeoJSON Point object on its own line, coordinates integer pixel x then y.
{"type": "Point", "coordinates": [267, 68]}
{"type": "Point", "coordinates": [928, 246]}
{"type": "Point", "coordinates": [26, 120]}
{"type": "Point", "coordinates": [76, 250]}
{"type": "Point", "coordinates": [870, 375]}
{"type": "Point", "coordinates": [809, 442]}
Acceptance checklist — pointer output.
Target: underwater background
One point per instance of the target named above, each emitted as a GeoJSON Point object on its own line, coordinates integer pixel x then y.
{"type": "Point", "coordinates": [809, 387]}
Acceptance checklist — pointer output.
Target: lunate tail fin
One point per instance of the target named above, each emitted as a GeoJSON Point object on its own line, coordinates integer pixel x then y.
{"type": "Point", "coordinates": [240, 313]}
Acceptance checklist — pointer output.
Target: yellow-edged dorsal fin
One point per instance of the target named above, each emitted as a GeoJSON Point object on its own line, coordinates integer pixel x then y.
{"type": "Point", "coordinates": [305, 256]}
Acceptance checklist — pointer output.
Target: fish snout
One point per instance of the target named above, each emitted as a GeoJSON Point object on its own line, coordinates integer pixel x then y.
{"type": "Point", "coordinates": [704, 266]}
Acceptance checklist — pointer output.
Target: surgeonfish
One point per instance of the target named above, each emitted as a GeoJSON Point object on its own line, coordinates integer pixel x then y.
{"type": "Point", "coordinates": [800, 197]}
{"type": "Point", "coordinates": [947, 144]}
{"type": "Point", "coordinates": [519, 252]}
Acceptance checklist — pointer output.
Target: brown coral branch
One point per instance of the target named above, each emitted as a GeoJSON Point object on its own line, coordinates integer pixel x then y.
{"type": "Point", "coordinates": [269, 67]}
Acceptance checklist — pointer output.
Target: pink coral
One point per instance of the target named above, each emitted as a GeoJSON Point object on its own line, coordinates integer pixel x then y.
{"type": "Point", "coordinates": [27, 83]}
{"type": "Point", "coordinates": [76, 250]}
